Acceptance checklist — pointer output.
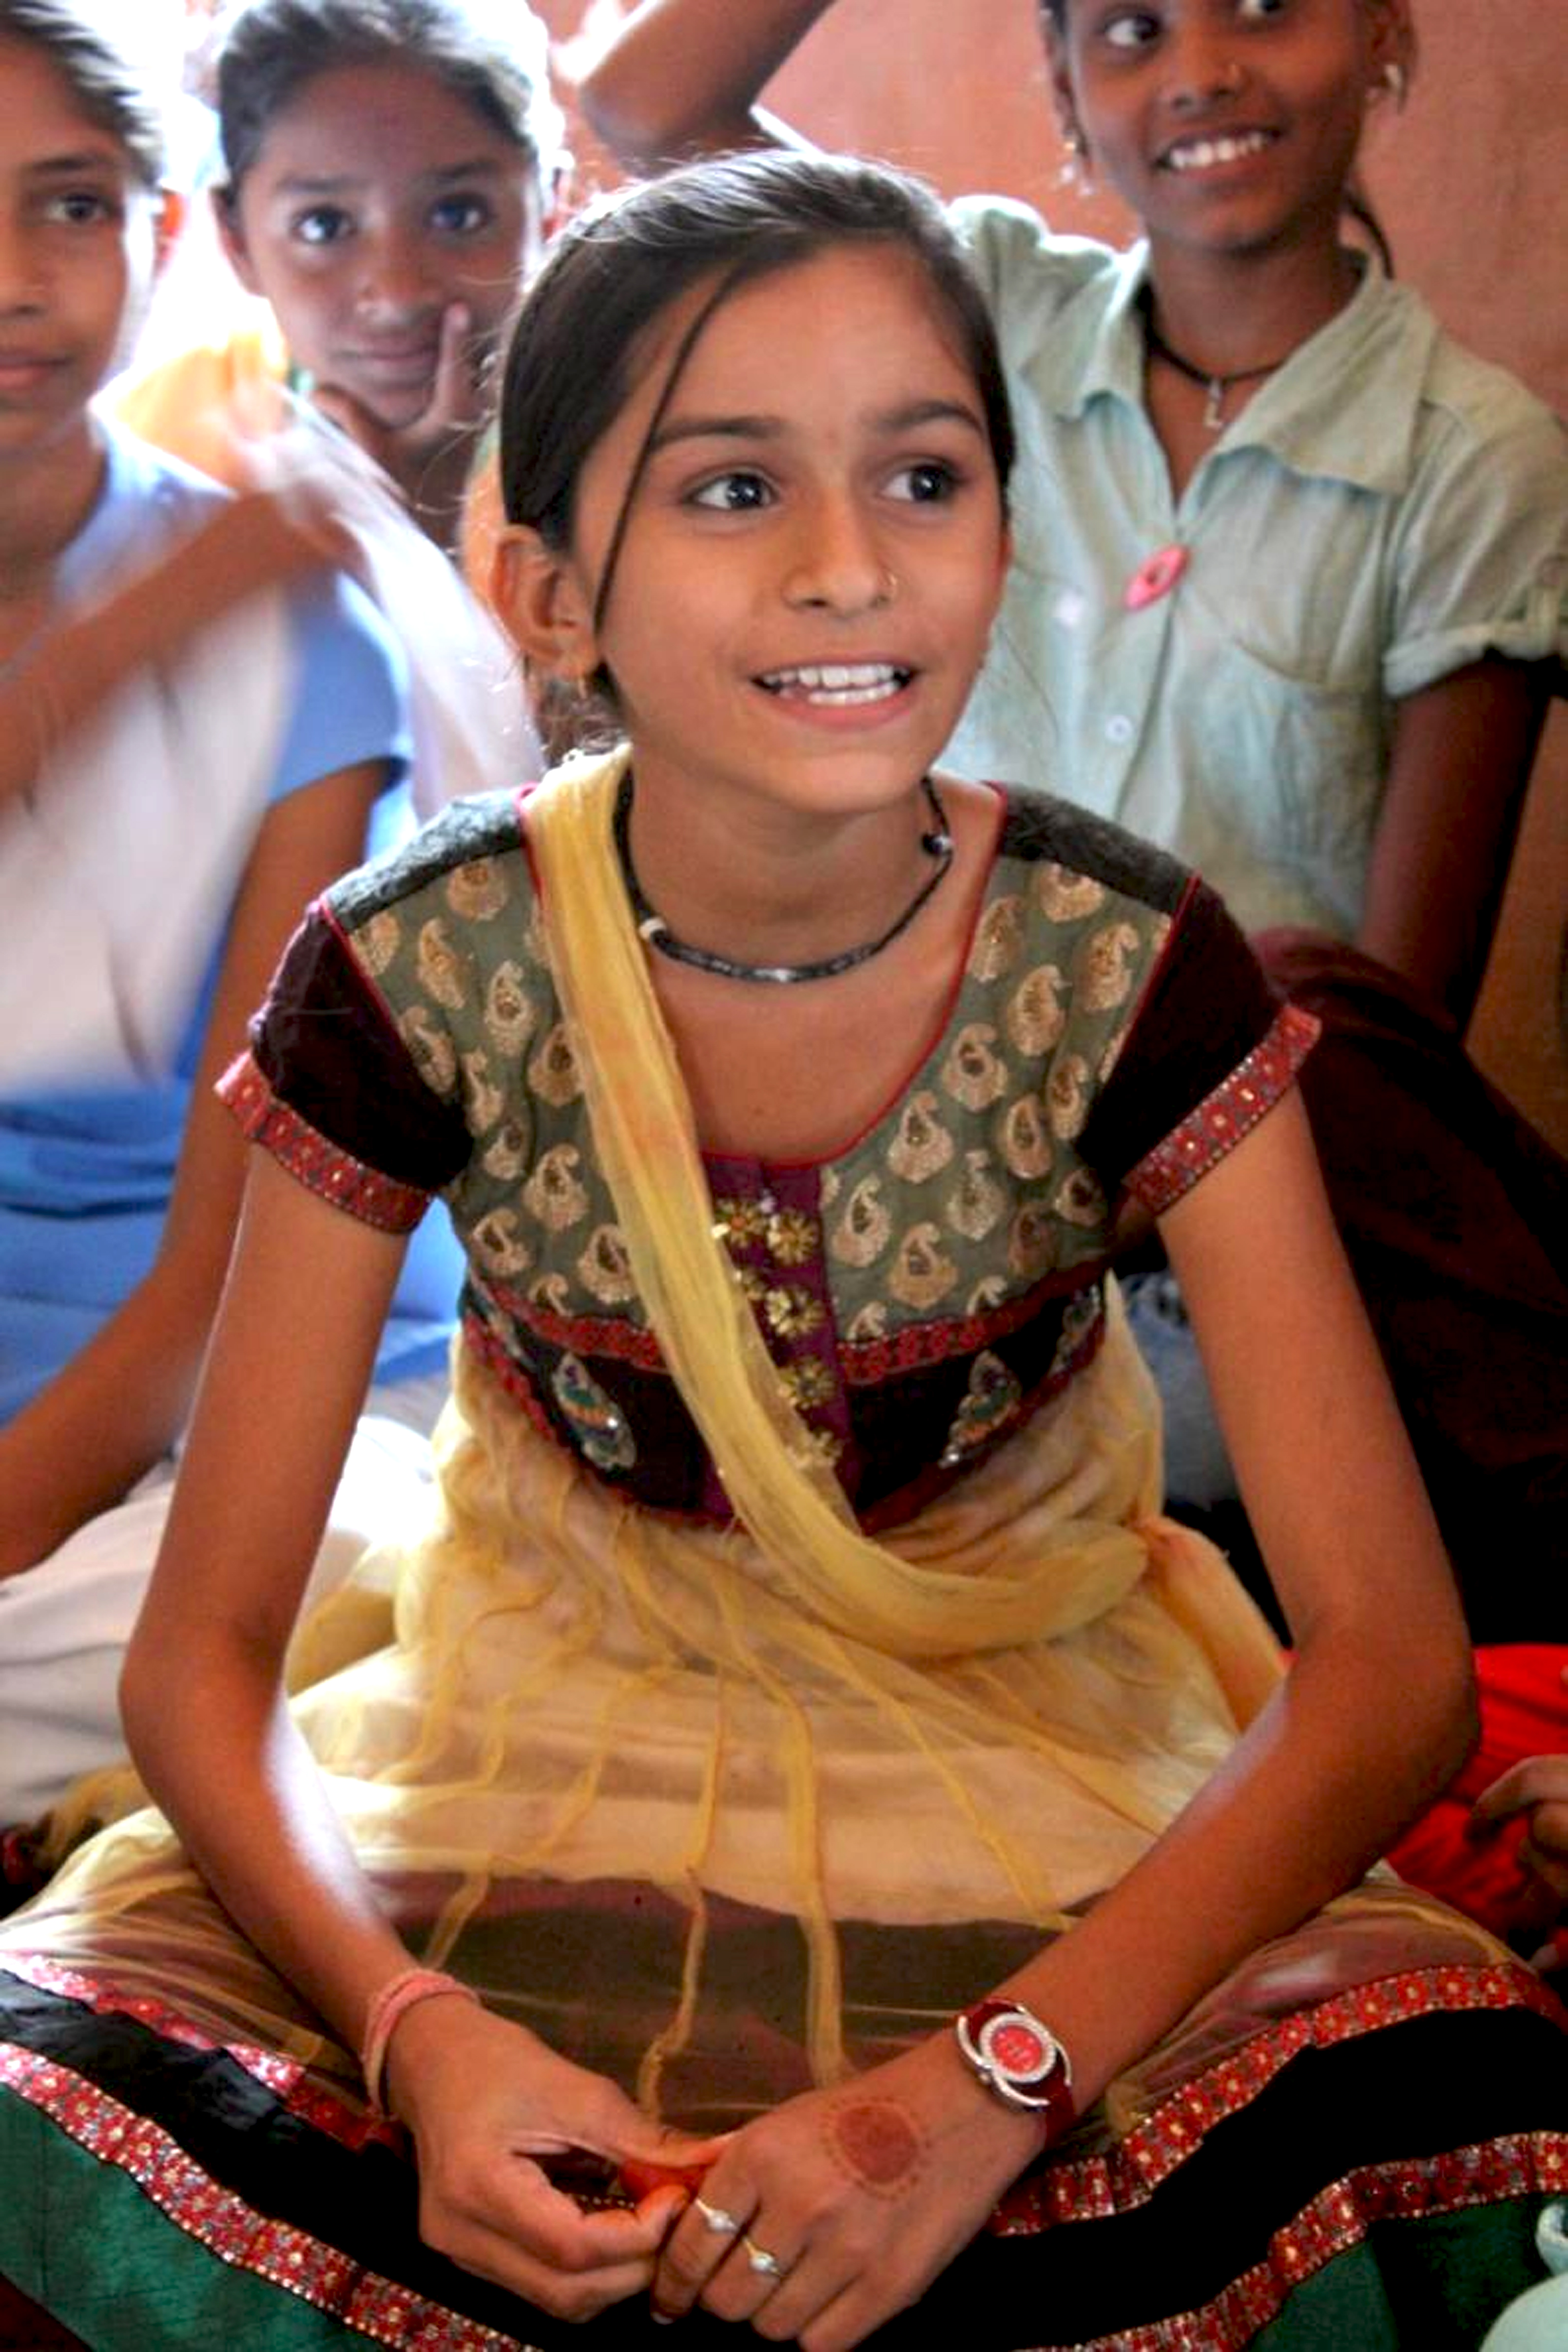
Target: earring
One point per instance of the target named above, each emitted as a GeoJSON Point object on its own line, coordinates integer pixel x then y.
{"type": "Point", "coordinates": [1393, 81]}
{"type": "Point", "coordinates": [1078, 171]}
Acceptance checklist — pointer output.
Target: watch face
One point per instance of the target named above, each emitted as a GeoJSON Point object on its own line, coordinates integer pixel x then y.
{"type": "Point", "coordinates": [1017, 2047]}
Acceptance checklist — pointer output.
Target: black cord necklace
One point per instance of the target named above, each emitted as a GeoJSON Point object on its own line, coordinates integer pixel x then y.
{"type": "Point", "coordinates": [1216, 384]}
{"type": "Point", "coordinates": [938, 842]}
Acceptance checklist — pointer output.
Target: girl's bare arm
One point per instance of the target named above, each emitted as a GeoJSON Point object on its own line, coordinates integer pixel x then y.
{"type": "Point", "coordinates": [681, 77]}
{"type": "Point", "coordinates": [1463, 750]}
{"type": "Point", "coordinates": [253, 541]}
{"type": "Point", "coordinates": [291, 1352]}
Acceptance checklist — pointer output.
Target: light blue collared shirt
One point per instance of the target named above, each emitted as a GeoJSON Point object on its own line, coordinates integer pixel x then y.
{"type": "Point", "coordinates": [1384, 510]}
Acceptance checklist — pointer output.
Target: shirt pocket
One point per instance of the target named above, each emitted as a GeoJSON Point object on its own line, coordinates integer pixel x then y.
{"type": "Point", "coordinates": [1285, 777]}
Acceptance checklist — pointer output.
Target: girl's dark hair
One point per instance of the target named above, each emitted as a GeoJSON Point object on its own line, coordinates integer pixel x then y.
{"type": "Point", "coordinates": [491, 54]}
{"type": "Point", "coordinates": [619, 265]}
{"type": "Point", "coordinates": [1356, 202]}
{"type": "Point", "coordinates": [107, 85]}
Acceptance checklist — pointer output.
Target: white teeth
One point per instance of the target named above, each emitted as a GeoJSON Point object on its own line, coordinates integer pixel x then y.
{"type": "Point", "coordinates": [1202, 155]}
{"type": "Point", "coordinates": [839, 682]}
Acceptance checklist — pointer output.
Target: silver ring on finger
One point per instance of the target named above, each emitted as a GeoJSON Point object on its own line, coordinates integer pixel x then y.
{"type": "Point", "coordinates": [765, 2264]}
{"type": "Point", "coordinates": [715, 2218]}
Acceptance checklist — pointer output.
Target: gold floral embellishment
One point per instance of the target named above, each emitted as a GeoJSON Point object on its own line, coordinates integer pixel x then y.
{"type": "Point", "coordinates": [808, 1384]}
{"type": "Point", "coordinates": [794, 1238]}
{"type": "Point", "coordinates": [820, 1445]}
{"type": "Point", "coordinates": [793, 1312]}
{"type": "Point", "coordinates": [742, 1223]}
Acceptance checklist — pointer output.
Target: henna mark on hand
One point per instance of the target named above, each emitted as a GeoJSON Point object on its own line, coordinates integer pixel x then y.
{"type": "Point", "coordinates": [876, 2146]}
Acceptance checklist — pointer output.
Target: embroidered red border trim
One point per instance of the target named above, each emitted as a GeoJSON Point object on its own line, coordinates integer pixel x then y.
{"type": "Point", "coordinates": [231, 2229]}
{"type": "Point", "coordinates": [1224, 1117]}
{"type": "Point", "coordinates": [1341, 2217]}
{"type": "Point", "coordinates": [865, 1362]}
{"type": "Point", "coordinates": [286, 2078]}
{"type": "Point", "coordinates": [1094, 2188]}
{"type": "Point", "coordinates": [1338, 2218]}
{"type": "Point", "coordinates": [582, 1335]}
{"type": "Point", "coordinates": [507, 1374]}
{"type": "Point", "coordinates": [322, 1167]}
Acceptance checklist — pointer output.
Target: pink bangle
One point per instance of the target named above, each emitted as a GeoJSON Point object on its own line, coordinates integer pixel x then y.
{"type": "Point", "coordinates": [396, 1998]}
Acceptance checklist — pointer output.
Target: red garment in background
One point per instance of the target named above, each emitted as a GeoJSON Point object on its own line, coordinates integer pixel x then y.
{"type": "Point", "coordinates": [1524, 1712]}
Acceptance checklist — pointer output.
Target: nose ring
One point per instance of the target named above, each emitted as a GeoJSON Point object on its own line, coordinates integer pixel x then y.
{"type": "Point", "coordinates": [886, 585]}
{"type": "Point", "coordinates": [1230, 80]}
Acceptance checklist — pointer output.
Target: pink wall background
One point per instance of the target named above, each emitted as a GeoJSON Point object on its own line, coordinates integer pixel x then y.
{"type": "Point", "coordinates": [1471, 183]}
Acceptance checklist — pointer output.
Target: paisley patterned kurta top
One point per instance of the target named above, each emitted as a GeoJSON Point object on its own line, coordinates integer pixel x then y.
{"type": "Point", "coordinates": [921, 1290]}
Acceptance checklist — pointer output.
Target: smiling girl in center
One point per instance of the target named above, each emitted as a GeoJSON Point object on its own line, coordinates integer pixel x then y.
{"type": "Point", "coordinates": [801, 1725]}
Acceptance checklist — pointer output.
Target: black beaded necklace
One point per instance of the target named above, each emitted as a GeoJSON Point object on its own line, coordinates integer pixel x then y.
{"type": "Point", "coordinates": [938, 842]}
{"type": "Point", "coordinates": [1215, 383]}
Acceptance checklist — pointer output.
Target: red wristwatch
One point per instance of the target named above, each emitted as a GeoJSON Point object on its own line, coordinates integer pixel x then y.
{"type": "Point", "coordinates": [1020, 2060]}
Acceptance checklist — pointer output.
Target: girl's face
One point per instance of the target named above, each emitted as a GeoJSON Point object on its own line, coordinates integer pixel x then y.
{"type": "Point", "coordinates": [78, 236]}
{"type": "Point", "coordinates": [1229, 125]}
{"type": "Point", "coordinates": [814, 551]}
{"type": "Point", "coordinates": [379, 200]}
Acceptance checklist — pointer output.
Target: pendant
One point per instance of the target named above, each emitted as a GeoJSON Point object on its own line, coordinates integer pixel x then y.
{"type": "Point", "coordinates": [1156, 577]}
{"type": "Point", "coordinates": [1213, 407]}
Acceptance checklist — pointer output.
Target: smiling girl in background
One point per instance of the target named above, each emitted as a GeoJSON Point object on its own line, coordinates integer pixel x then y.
{"type": "Point", "coordinates": [801, 1725]}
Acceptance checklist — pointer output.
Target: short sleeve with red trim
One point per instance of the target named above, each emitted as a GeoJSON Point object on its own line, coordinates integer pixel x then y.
{"type": "Point", "coordinates": [331, 1090]}
{"type": "Point", "coordinates": [1211, 1051]}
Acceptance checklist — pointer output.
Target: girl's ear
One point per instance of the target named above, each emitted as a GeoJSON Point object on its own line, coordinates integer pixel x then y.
{"type": "Point", "coordinates": [231, 236]}
{"type": "Point", "coordinates": [1391, 44]}
{"type": "Point", "coordinates": [541, 601]}
{"type": "Point", "coordinates": [1063, 103]}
